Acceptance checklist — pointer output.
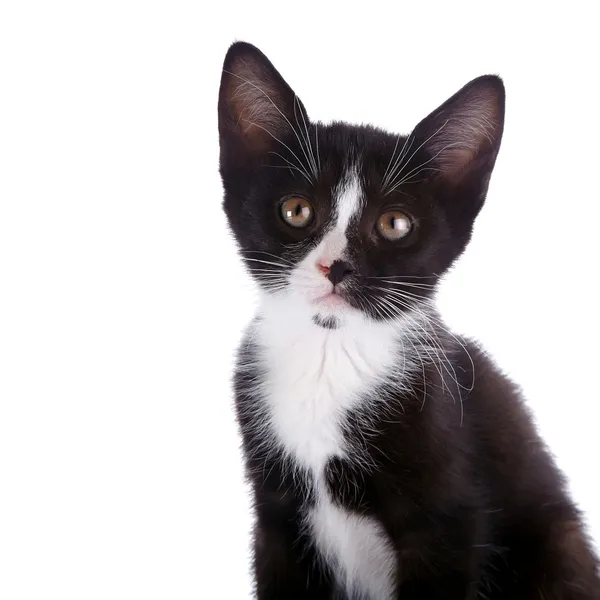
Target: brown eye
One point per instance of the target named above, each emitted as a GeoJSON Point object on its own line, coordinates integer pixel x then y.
{"type": "Point", "coordinates": [297, 212]}
{"type": "Point", "coordinates": [394, 225]}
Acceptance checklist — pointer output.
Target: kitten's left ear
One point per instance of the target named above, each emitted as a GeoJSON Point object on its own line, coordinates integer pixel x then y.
{"type": "Point", "coordinates": [256, 106]}
{"type": "Point", "coordinates": [462, 137]}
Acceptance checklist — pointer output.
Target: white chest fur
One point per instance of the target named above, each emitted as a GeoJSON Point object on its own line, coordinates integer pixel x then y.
{"type": "Point", "coordinates": [314, 376]}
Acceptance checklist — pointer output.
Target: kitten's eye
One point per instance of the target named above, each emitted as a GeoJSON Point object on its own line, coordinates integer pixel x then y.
{"type": "Point", "coordinates": [297, 212]}
{"type": "Point", "coordinates": [394, 225]}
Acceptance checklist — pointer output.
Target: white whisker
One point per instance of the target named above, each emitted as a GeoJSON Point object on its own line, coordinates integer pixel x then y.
{"type": "Point", "coordinates": [284, 145]}
{"type": "Point", "coordinates": [307, 138]}
{"type": "Point", "coordinates": [399, 163]}
{"type": "Point", "coordinates": [407, 162]}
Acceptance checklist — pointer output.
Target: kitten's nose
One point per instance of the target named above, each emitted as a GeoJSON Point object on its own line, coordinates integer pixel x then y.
{"type": "Point", "coordinates": [339, 270]}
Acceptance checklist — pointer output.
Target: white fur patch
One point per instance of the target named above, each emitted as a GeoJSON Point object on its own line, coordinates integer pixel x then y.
{"type": "Point", "coordinates": [315, 376]}
{"type": "Point", "coordinates": [348, 200]}
{"type": "Point", "coordinates": [357, 549]}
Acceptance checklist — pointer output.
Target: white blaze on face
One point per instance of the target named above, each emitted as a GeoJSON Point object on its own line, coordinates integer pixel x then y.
{"type": "Point", "coordinates": [347, 201]}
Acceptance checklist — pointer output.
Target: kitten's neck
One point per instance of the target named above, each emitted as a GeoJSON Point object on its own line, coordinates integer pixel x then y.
{"type": "Point", "coordinates": [312, 375]}
{"type": "Point", "coordinates": [287, 330]}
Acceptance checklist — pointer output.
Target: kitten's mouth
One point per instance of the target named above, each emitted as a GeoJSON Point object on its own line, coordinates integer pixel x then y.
{"type": "Point", "coordinates": [331, 300]}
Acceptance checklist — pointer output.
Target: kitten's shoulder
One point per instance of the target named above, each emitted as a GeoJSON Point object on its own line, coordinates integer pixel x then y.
{"type": "Point", "coordinates": [506, 436]}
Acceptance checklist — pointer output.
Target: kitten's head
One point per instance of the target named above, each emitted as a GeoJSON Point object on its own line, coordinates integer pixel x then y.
{"type": "Point", "coordinates": [350, 221]}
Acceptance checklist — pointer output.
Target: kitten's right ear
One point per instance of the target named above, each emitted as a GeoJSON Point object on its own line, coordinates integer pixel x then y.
{"type": "Point", "coordinates": [256, 106]}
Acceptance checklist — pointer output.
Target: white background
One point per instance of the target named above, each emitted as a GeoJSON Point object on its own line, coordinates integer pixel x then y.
{"type": "Point", "coordinates": [122, 299]}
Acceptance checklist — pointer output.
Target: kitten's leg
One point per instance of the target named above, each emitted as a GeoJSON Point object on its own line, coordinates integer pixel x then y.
{"type": "Point", "coordinates": [285, 565]}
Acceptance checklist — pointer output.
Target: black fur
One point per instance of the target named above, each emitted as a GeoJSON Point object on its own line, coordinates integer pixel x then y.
{"type": "Point", "coordinates": [467, 492]}
{"type": "Point", "coordinates": [325, 322]}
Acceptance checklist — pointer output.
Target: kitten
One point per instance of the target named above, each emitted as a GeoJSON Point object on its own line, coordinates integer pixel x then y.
{"type": "Point", "coordinates": [389, 457]}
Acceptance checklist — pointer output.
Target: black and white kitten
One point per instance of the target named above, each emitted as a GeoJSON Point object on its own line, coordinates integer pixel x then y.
{"type": "Point", "coordinates": [389, 458]}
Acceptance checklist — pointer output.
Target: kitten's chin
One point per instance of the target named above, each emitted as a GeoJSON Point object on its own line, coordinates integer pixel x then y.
{"type": "Point", "coordinates": [333, 311]}
{"type": "Point", "coordinates": [325, 309]}
{"type": "Point", "coordinates": [331, 301]}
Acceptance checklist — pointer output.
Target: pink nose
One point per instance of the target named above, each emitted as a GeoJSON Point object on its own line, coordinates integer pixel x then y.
{"type": "Point", "coordinates": [324, 269]}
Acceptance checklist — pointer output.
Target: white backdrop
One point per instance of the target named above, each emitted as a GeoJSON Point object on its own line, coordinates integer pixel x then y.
{"type": "Point", "coordinates": [122, 299]}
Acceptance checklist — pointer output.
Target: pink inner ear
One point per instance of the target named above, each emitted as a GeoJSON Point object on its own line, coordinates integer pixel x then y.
{"type": "Point", "coordinates": [255, 104]}
{"type": "Point", "coordinates": [464, 132]}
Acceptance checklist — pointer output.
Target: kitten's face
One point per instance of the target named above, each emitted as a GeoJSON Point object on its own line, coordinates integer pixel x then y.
{"type": "Point", "coordinates": [348, 221]}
